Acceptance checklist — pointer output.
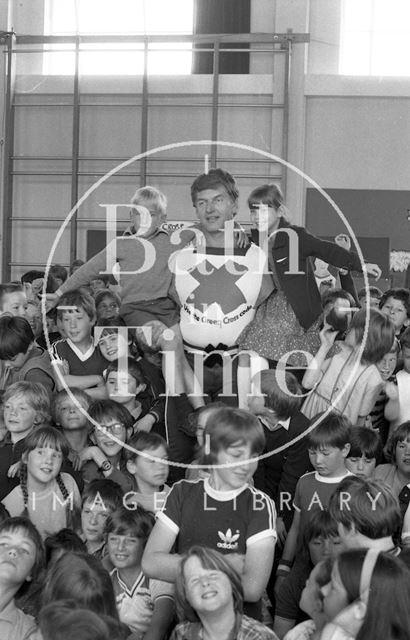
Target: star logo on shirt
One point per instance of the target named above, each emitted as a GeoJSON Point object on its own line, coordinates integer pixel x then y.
{"type": "Point", "coordinates": [217, 285]}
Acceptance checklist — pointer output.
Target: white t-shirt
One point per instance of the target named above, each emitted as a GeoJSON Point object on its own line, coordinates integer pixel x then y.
{"type": "Point", "coordinates": [47, 509]}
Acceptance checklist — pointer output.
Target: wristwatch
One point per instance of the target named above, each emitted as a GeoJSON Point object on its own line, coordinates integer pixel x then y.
{"type": "Point", "coordinates": [106, 466]}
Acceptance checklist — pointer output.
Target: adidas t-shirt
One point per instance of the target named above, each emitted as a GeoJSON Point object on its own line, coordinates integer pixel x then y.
{"type": "Point", "coordinates": [227, 521]}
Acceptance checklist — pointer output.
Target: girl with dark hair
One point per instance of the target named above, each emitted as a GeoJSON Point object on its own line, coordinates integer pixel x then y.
{"type": "Point", "coordinates": [289, 319]}
{"type": "Point", "coordinates": [368, 596]}
{"type": "Point", "coordinates": [82, 578]}
{"type": "Point", "coordinates": [348, 381]}
{"type": "Point", "coordinates": [49, 498]}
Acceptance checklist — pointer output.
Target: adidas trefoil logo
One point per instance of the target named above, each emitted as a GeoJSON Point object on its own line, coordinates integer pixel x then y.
{"type": "Point", "coordinates": [229, 540]}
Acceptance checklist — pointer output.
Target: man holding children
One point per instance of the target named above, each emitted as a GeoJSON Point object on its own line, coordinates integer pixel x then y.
{"type": "Point", "coordinates": [90, 437]}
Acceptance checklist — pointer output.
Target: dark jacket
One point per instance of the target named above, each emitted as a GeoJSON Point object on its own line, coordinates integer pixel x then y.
{"type": "Point", "coordinates": [278, 474]}
{"type": "Point", "coordinates": [300, 287]}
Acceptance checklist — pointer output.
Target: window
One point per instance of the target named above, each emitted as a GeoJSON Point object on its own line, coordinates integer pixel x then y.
{"type": "Point", "coordinates": [375, 37]}
{"type": "Point", "coordinates": [121, 17]}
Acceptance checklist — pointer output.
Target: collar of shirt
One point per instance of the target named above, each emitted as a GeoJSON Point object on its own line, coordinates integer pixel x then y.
{"type": "Point", "coordinates": [9, 612]}
{"type": "Point", "coordinates": [80, 354]}
{"type": "Point", "coordinates": [280, 424]}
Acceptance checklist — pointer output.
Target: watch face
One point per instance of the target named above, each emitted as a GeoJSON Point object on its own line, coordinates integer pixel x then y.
{"type": "Point", "coordinates": [106, 465]}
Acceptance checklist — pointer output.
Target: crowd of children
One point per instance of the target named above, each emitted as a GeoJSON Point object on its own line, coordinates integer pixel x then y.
{"type": "Point", "coordinates": [156, 481]}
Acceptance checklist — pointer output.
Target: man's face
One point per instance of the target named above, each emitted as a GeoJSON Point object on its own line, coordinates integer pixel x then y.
{"type": "Point", "coordinates": [213, 208]}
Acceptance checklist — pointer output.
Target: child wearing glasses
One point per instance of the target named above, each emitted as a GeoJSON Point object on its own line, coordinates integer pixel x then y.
{"type": "Point", "coordinates": [143, 604]}
{"type": "Point", "coordinates": [112, 427]}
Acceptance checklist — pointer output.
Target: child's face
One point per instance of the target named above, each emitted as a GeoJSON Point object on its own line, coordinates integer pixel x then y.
{"type": "Point", "coordinates": [18, 361]}
{"type": "Point", "coordinates": [18, 555]}
{"type": "Point", "coordinates": [69, 415]}
{"type": "Point", "coordinates": [107, 308]}
{"type": "Point", "coordinates": [207, 590]}
{"type": "Point", "coordinates": [145, 224]}
{"type": "Point", "coordinates": [121, 386]}
{"type": "Point", "coordinates": [396, 311]}
{"type": "Point", "coordinates": [93, 517]}
{"type": "Point", "coordinates": [387, 365]}
{"type": "Point", "coordinates": [201, 425]}
{"type": "Point", "coordinates": [43, 464]}
{"type": "Point", "coordinates": [323, 547]}
{"type": "Point", "coordinates": [405, 353]}
{"type": "Point", "coordinates": [109, 446]}
{"type": "Point", "coordinates": [125, 551]}
{"type": "Point", "coordinates": [311, 598]}
{"type": "Point", "coordinates": [97, 285]}
{"type": "Point", "coordinates": [264, 217]}
{"type": "Point", "coordinates": [403, 456]}
{"type": "Point", "coordinates": [34, 318]}
{"type": "Point", "coordinates": [113, 346]}
{"type": "Point", "coordinates": [374, 302]}
{"type": "Point", "coordinates": [230, 478]}
{"type": "Point", "coordinates": [329, 461]}
{"type": "Point", "coordinates": [15, 303]}
{"type": "Point", "coordinates": [361, 466]}
{"type": "Point", "coordinates": [33, 289]}
{"type": "Point", "coordinates": [77, 325]}
{"type": "Point", "coordinates": [150, 472]}
{"type": "Point", "coordinates": [19, 416]}
{"type": "Point", "coordinates": [335, 595]}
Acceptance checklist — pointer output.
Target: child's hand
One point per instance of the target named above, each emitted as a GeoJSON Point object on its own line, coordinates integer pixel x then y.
{"type": "Point", "coordinates": [327, 336]}
{"type": "Point", "coordinates": [91, 453]}
{"type": "Point", "coordinates": [372, 270]}
{"type": "Point", "coordinates": [51, 300]}
{"type": "Point", "coordinates": [157, 329]}
{"type": "Point", "coordinates": [343, 240]}
{"type": "Point", "coordinates": [145, 424]}
{"type": "Point", "coordinates": [76, 461]}
{"type": "Point", "coordinates": [391, 391]}
{"type": "Point", "coordinates": [241, 239]}
{"type": "Point", "coordinates": [62, 366]}
{"type": "Point", "coordinates": [14, 470]}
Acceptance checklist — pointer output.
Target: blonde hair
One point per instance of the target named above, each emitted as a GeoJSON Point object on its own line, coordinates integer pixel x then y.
{"type": "Point", "coordinates": [150, 197]}
{"type": "Point", "coordinates": [35, 394]}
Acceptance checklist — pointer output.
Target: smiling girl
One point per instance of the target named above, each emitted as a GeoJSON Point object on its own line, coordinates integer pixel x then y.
{"type": "Point", "coordinates": [49, 498]}
{"type": "Point", "coordinates": [210, 600]}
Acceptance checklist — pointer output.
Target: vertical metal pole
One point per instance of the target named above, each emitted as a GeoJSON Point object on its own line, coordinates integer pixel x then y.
{"type": "Point", "coordinates": [215, 102]}
{"type": "Point", "coordinates": [285, 132]}
{"type": "Point", "coordinates": [144, 117]}
{"type": "Point", "coordinates": [75, 151]}
{"type": "Point", "coordinates": [9, 41]}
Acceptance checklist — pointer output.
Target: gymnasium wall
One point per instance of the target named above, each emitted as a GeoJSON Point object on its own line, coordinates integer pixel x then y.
{"type": "Point", "coordinates": [348, 134]}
